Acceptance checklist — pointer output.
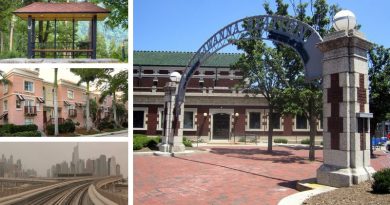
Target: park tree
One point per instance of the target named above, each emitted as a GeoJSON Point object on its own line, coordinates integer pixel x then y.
{"type": "Point", "coordinates": [88, 76]}
{"type": "Point", "coordinates": [110, 85]}
{"type": "Point", "coordinates": [379, 77]}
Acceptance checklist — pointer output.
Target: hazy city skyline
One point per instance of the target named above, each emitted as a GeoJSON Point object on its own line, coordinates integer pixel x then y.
{"type": "Point", "coordinates": [41, 155]}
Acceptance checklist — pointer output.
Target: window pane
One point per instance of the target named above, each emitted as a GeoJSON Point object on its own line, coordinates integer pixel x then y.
{"type": "Point", "coordinates": [301, 122]}
{"type": "Point", "coordinates": [162, 119]}
{"type": "Point", "coordinates": [254, 120]}
{"type": "Point", "coordinates": [276, 124]}
{"type": "Point", "coordinates": [188, 120]}
{"type": "Point", "coordinates": [138, 119]}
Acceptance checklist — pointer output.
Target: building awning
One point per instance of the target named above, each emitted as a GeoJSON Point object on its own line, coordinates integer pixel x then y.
{"type": "Point", "coordinates": [66, 103]}
{"type": "Point", "coordinates": [41, 100]}
{"type": "Point", "coordinates": [20, 97]}
{"type": "Point", "coordinates": [45, 11]}
{"type": "Point", "coordinates": [4, 115]}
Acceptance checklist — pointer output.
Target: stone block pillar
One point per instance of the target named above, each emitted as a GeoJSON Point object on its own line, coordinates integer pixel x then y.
{"type": "Point", "coordinates": [346, 131]}
{"type": "Point", "coordinates": [171, 141]}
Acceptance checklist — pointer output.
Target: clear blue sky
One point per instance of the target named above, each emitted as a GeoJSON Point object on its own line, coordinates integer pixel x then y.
{"type": "Point", "coordinates": [184, 25]}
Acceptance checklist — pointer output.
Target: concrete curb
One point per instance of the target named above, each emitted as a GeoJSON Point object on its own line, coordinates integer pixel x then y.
{"type": "Point", "coordinates": [106, 133]}
{"type": "Point", "coordinates": [300, 197]}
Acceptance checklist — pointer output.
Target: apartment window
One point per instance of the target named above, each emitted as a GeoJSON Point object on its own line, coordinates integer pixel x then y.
{"type": "Point", "coordinates": [254, 120]}
{"type": "Point", "coordinates": [28, 121]}
{"type": "Point", "coordinates": [189, 119]}
{"type": "Point", "coordinates": [161, 118]}
{"type": "Point", "coordinates": [301, 122]}
{"type": "Point", "coordinates": [18, 103]}
{"type": "Point", "coordinates": [139, 119]}
{"type": "Point", "coordinates": [29, 102]}
{"type": "Point", "coordinates": [70, 94]}
{"type": "Point", "coordinates": [28, 86]}
{"type": "Point", "coordinates": [276, 123]}
{"type": "Point", "coordinates": [5, 87]}
{"type": "Point", "coordinates": [5, 105]}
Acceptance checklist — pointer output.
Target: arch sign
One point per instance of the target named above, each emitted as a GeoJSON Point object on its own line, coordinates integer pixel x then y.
{"type": "Point", "coordinates": [291, 32]}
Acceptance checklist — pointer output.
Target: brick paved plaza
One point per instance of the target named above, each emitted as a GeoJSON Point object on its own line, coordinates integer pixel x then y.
{"type": "Point", "coordinates": [226, 175]}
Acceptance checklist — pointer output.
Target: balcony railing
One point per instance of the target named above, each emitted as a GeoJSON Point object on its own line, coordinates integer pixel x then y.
{"type": "Point", "coordinates": [30, 110]}
{"type": "Point", "coordinates": [72, 113]}
{"type": "Point", "coordinates": [60, 121]}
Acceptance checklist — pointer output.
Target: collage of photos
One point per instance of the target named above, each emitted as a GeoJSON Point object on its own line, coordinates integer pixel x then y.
{"type": "Point", "coordinates": [64, 102]}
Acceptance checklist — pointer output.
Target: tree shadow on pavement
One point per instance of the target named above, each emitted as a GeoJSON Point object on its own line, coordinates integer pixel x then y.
{"type": "Point", "coordinates": [231, 168]}
{"type": "Point", "coordinates": [223, 151]}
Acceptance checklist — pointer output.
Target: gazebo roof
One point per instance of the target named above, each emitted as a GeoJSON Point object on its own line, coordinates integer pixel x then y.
{"type": "Point", "coordinates": [62, 11]}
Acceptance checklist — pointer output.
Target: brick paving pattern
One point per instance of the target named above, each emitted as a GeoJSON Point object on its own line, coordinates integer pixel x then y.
{"type": "Point", "coordinates": [226, 175]}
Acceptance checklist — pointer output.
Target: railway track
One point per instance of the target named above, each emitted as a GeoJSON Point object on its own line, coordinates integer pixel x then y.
{"type": "Point", "coordinates": [71, 194]}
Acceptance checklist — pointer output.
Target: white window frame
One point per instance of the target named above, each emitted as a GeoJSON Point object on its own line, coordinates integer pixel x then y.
{"type": "Point", "coordinates": [295, 125]}
{"type": "Point", "coordinates": [145, 109]}
{"type": "Point", "coordinates": [5, 102]}
{"type": "Point", "coordinates": [33, 86]}
{"type": "Point", "coordinates": [194, 127]}
{"type": "Point", "coordinates": [28, 119]}
{"type": "Point", "coordinates": [319, 125]}
{"type": "Point", "coordinates": [248, 111]}
{"type": "Point", "coordinates": [21, 103]}
{"type": "Point", "coordinates": [5, 88]}
{"type": "Point", "coordinates": [67, 93]}
{"type": "Point", "coordinates": [160, 118]}
{"type": "Point", "coordinates": [281, 121]}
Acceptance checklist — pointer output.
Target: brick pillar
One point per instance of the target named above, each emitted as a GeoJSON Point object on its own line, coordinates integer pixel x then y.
{"type": "Point", "coordinates": [345, 84]}
{"type": "Point", "coordinates": [170, 141]}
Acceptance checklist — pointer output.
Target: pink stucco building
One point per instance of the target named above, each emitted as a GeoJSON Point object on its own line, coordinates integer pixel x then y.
{"type": "Point", "coordinates": [29, 100]}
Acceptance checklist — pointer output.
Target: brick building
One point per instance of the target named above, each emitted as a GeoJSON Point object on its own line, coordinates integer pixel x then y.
{"type": "Point", "coordinates": [215, 108]}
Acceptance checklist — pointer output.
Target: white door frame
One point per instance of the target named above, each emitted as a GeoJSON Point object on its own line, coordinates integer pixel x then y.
{"type": "Point", "coordinates": [220, 111]}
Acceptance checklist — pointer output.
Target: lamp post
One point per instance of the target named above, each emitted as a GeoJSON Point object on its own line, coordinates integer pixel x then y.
{"type": "Point", "coordinates": [235, 115]}
{"type": "Point", "coordinates": [170, 94]}
{"type": "Point", "coordinates": [201, 128]}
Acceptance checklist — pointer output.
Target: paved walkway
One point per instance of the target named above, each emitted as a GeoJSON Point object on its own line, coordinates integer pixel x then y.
{"type": "Point", "coordinates": [225, 175]}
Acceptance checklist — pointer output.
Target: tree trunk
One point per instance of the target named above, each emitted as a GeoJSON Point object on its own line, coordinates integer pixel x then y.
{"type": "Point", "coordinates": [55, 103]}
{"type": "Point", "coordinates": [11, 33]}
{"type": "Point", "coordinates": [88, 126]}
{"type": "Point", "coordinates": [1, 41]}
{"type": "Point", "coordinates": [114, 110]}
{"type": "Point", "coordinates": [270, 127]}
{"type": "Point", "coordinates": [313, 132]}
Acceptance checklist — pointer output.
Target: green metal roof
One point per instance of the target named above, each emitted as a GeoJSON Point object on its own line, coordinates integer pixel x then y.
{"type": "Point", "coordinates": [169, 58]}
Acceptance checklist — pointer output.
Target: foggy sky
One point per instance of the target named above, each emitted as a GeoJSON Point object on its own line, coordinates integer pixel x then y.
{"type": "Point", "coordinates": [42, 155]}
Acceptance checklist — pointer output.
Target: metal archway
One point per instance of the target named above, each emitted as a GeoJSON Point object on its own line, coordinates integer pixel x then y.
{"type": "Point", "coordinates": [292, 32]}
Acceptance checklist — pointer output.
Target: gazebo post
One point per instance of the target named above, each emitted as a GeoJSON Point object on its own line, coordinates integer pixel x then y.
{"type": "Point", "coordinates": [55, 37]}
{"type": "Point", "coordinates": [29, 30]}
{"type": "Point", "coordinates": [94, 36]}
{"type": "Point", "coordinates": [73, 38]}
{"type": "Point", "coordinates": [33, 39]}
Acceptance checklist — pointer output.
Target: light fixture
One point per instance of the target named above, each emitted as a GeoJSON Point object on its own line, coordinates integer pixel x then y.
{"type": "Point", "coordinates": [344, 20]}
{"type": "Point", "coordinates": [205, 114]}
{"type": "Point", "coordinates": [175, 77]}
{"type": "Point", "coordinates": [237, 114]}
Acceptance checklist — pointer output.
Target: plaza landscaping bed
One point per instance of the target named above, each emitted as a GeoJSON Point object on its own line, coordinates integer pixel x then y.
{"type": "Point", "coordinates": [357, 194]}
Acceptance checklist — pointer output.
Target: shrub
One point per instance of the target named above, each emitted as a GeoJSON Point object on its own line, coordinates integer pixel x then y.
{"type": "Point", "coordinates": [281, 140]}
{"type": "Point", "coordinates": [242, 139]}
{"type": "Point", "coordinates": [106, 125]}
{"type": "Point", "coordinates": [125, 124]}
{"type": "Point", "coordinates": [305, 141]}
{"type": "Point", "coordinates": [187, 142]}
{"type": "Point", "coordinates": [140, 141]}
{"type": "Point", "coordinates": [381, 183]}
{"type": "Point", "coordinates": [11, 128]}
{"type": "Point", "coordinates": [67, 127]}
{"type": "Point", "coordinates": [27, 134]}
{"type": "Point", "coordinates": [153, 142]}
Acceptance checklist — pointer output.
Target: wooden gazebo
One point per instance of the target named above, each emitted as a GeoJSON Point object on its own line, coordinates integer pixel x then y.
{"type": "Point", "coordinates": [80, 11]}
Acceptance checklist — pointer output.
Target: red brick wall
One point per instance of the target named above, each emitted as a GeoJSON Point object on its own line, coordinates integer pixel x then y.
{"type": "Point", "coordinates": [287, 125]}
{"type": "Point", "coordinates": [203, 122]}
{"type": "Point", "coordinates": [239, 124]}
{"type": "Point", "coordinates": [152, 120]}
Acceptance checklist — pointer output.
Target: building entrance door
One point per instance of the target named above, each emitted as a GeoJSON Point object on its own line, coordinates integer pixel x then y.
{"type": "Point", "coordinates": [221, 126]}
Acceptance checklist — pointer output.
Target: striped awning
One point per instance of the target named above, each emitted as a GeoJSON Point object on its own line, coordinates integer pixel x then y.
{"type": "Point", "coordinates": [20, 97]}
{"type": "Point", "coordinates": [66, 103]}
{"type": "Point", "coordinates": [41, 100]}
{"type": "Point", "coordinates": [4, 115]}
